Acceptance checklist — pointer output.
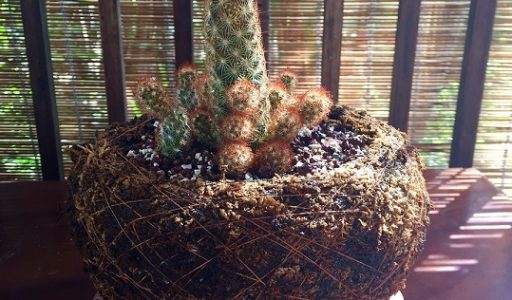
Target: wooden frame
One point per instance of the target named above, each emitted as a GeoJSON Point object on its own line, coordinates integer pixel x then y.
{"type": "Point", "coordinates": [403, 65]}
{"type": "Point", "coordinates": [43, 94]}
{"type": "Point", "coordinates": [476, 52]}
{"type": "Point", "coordinates": [183, 37]}
{"type": "Point", "coordinates": [472, 79]}
{"type": "Point", "coordinates": [113, 60]}
{"type": "Point", "coordinates": [331, 49]}
{"type": "Point", "coordinates": [264, 14]}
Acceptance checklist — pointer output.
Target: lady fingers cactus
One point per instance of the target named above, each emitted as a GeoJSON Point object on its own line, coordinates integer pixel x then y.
{"type": "Point", "coordinates": [232, 108]}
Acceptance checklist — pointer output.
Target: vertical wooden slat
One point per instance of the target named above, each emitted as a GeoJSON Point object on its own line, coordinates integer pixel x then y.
{"type": "Point", "coordinates": [264, 12]}
{"type": "Point", "coordinates": [41, 78]}
{"type": "Point", "coordinates": [403, 65]}
{"type": "Point", "coordinates": [474, 64]}
{"type": "Point", "coordinates": [331, 46]}
{"type": "Point", "coordinates": [113, 61]}
{"type": "Point", "coordinates": [183, 36]}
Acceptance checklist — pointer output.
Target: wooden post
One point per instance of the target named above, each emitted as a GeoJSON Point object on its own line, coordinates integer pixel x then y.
{"type": "Point", "coordinates": [264, 12]}
{"type": "Point", "coordinates": [403, 66]}
{"type": "Point", "coordinates": [113, 60]}
{"type": "Point", "coordinates": [183, 38]}
{"type": "Point", "coordinates": [331, 46]}
{"type": "Point", "coordinates": [43, 94]}
{"type": "Point", "coordinates": [474, 64]}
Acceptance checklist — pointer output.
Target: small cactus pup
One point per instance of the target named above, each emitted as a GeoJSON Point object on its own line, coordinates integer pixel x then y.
{"type": "Point", "coordinates": [287, 121]}
{"type": "Point", "coordinates": [204, 127]}
{"type": "Point", "coordinates": [186, 76]}
{"type": "Point", "coordinates": [235, 157]}
{"type": "Point", "coordinates": [274, 157]}
{"type": "Point", "coordinates": [237, 127]}
{"type": "Point", "coordinates": [151, 96]}
{"type": "Point", "coordinates": [278, 95]}
{"type": "Point", "coordinates": [315, 105]}
{"type": "Point", "coordinates": [289, 79]}
{"type": "Point", "coordinates": [173, 130]}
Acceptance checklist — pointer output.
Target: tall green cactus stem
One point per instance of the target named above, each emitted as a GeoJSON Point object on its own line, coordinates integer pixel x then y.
{"type": "Point", "coordinates": [234, 47]}
{"type": "Point", "coordinates": [186, 76]}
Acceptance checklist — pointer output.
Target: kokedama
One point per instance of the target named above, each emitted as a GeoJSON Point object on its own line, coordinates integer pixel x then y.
{"type": "Point", "coordinates": [240, 188]}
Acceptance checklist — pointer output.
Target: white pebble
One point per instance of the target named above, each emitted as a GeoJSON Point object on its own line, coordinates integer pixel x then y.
{"type": "Point", "coordinates": [156, 124]}
{"type": "Point", "coordinates": [248, 176]}
{"type": "Point", "coordinates": [198, 156]}
{"type": "Point", "coordinates": [317, 157]}
{"type": "Point", "coordinates": [131, 153]}
{"type": "Point", "coordinates": [143, 137]}
{"type": "Point", "coordinates": [197, 172]}
{"type": "Point", "coordinates": [187, 167]}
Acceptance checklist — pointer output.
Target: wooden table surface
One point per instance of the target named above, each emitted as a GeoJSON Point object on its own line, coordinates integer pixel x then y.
{"type": "Point", "coordinates": [468, 254]}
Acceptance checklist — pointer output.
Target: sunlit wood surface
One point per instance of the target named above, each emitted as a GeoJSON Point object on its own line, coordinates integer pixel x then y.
{"type": "Point", "coordinates": [467, 255]}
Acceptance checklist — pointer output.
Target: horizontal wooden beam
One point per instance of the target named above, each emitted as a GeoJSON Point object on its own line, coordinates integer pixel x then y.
{"type": "Point", "coordinates": [331, 46]}
{"type": "Point", "coordinates": [471, 88]}
{"type": "Point", "coordinates": [403, 65]}
{"type": "Point", "coordinates": [113, 60]}
{"type": "Point", "coordinates": [183, 32]}
{"type": "Point", "coordinates": [37, 44]}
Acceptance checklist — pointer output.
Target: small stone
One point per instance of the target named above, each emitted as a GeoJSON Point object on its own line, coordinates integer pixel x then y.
{"type": "Point", "coordinates": [131, 153]}
{"type": "Point", "coordinates": [186, 167]}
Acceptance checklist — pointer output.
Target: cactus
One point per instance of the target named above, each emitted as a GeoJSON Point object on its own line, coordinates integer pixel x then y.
{"type": "Point", "coordinates": [232, 108]}
{"type": "Point", "coordinates": [243, 96]}
{"type": "Point", "coordinates": [233, 44]}
{"type": "Point", "coordinates": [289, 79]}
{"type": "Point", "coordinates": [186, 76]}
{"type": "Point", "coordinates": [151, 97]}
{"type": "Point", "coordinates": [237, 127]}
{"type": "Point", "coordinates": [273, 157]}
{"type": "Point", "coordinates": [287, 122]}
{"type": "Point", "coordinates": [237, 157]}
{"type": "Point", "coordinates": [174, 132]}
{"type": "Point", "coordinates": [315, 106]}
{"type": "Point", "coordinates": [203, 127]}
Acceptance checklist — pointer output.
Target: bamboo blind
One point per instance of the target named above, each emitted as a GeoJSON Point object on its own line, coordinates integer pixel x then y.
{"type": "Point", "coordinates": [19, 158]}
{"type": "Point", "coordinates": [75, 42]}
{"type": "Point", "coordinates": [148, 42]}
{"type": "Point", "coordinates": [439, 52]}
{"type": "Point", "coordinates": [295, 35]}
{"type": "Point", "coordinates": [295, 40]}
{"type": "Point", "coordinates": [493, 153]}
{"type": "Point", "coordinates": [368, 44]}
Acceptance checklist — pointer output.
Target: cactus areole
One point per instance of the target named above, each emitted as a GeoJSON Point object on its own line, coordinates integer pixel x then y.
{"type": "Point", "coordinates": [236, 187]}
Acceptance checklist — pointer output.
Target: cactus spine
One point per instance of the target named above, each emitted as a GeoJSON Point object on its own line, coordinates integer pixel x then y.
{"type": "Point", "coordinates": [233, 108]}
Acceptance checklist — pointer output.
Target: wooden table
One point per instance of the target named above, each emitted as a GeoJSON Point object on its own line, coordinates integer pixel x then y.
{"type": "Point", "coordinates": [468, 254]}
